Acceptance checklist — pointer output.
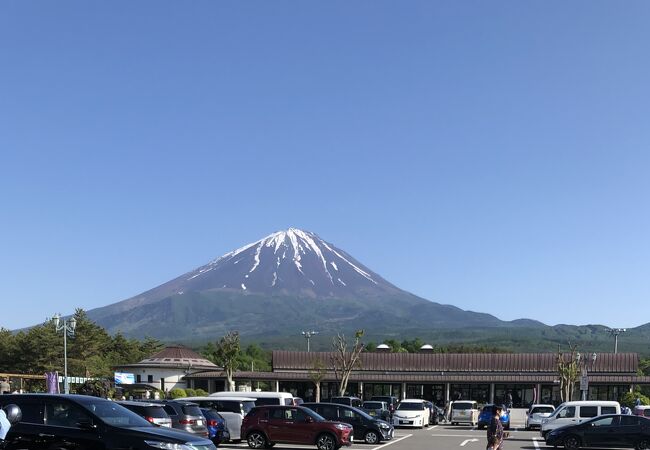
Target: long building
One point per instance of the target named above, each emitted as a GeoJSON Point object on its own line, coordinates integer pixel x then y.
{"type": "Point", "coordinates": [439, 377]}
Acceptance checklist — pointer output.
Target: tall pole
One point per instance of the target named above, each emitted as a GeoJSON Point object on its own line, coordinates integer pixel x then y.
{"type": "Point", "coordinates": [308, 335]}
{"type": "Point", "coordinates": [616, 332]}
{"type": "Point", "coordinates": [66, 388]}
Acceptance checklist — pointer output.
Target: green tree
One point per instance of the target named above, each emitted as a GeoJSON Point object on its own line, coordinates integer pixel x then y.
{"type": "Point", "coordinates": [227, 352]}
{"type": "Point", "coordinates": [316, 375]}
{"type": "Point", "coordinates": [568, 369]}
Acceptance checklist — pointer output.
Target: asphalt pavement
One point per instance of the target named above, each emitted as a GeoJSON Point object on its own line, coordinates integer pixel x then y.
{"type": "Point", "coordinates": [436, 437]}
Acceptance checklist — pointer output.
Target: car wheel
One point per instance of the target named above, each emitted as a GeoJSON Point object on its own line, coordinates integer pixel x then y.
{"type": "Point", "coordinates": [256, 440]}
{"type": "Point", "coordinates": [643, 444]}
{"type": "Point", "coordinates": [326, 442]}
{"type": "Point", "coordinates": [371, 437]}
{"type": "Point", "coordinates": [571, 443]}
{"type": "Point", "coordinates": [480, 427]}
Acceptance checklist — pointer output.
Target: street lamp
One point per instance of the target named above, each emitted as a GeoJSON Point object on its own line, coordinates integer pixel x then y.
{"type": "Point", "coordinates": [616, 332]}
{"type": "Point", "coordinates": [584, 375]}
{"type": "Point", "coordinates": [68, 327]}
{"type": "Point", "coordinates": [308, 335]}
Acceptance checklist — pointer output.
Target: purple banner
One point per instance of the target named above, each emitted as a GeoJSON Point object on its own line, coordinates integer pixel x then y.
{"type": "Point", "coordinates": [52, 382]}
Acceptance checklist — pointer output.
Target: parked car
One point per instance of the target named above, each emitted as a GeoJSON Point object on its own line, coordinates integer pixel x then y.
{"type": "Point", "coordinates": [366, 428]}
{"type": "Point", "coordinates": [464, 411]}
{"type": "Point", "coordinates": [571, 413]}
{"type": "Point", "coordinates": [151, 412]}
{"type": "Point", "coordinates": [297, 401]}
{"type": "Point", "coordinates": [264, 426]}
{"type": "Point", "coordinates": [185, 416]}
{"type": "Point", "coordinates": [612, 430]}
{"type": "Point", "coordinates": [486, 414]}
{"type": "Point", "coordinates": [411, 413]}
{"type": "Point", "coordinates": [217, 428]}
{"type": "Point", "coordinates": [71, 422]}
{"type": "Point", "coordinates": [642, 410]}
{"type": "Point", "coordinates": [433, 413]}
{"type": "Point", "coordinates": [233, 409]}
{"type": "Point", "coordinates": [391, 400]}
{"type": "Point", "coordinates": [377, 409]}
{"type": "Point", "coordinates": [536, 414]}
{"type": "Point", "coordinates": [261, 398]}
{"type": "Point", "coordinates": [350, 401]}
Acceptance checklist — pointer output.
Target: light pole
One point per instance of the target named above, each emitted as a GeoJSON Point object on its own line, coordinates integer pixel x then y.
{"type": "Point", "coordinates": [308, 335]}
{"type": "Point", "coordinates": [67, 326]}
{"type": "Point", "coordinates": [616, 332]}
{"type": "Point", "coordinates": [584, 375]}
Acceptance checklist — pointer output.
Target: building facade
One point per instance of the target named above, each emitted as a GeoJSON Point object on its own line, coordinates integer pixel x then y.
{"type": "Point", "coordinates": [439, 377]}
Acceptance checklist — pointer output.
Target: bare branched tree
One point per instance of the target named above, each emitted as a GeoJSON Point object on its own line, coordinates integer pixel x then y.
{"type": "Point", "coordinates": [316, 375]}
{"type": "Point", "coordinates": [344, 360]}
{"type": "Point", "coordinates": [568, 369]}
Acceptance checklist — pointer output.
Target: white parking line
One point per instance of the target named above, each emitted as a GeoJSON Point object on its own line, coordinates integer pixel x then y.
{"type": "Point", "coordinates": [535, 443]}
{"type": "Point", "coordinates": [455, 435]}
{"type": "Point", "coordinates": [392, 442]}
{"type": "Point", "coordinates": [462, 444]}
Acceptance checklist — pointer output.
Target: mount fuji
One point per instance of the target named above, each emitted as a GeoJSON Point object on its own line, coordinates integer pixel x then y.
{"type": "Point", "coordinates": [288, 281]}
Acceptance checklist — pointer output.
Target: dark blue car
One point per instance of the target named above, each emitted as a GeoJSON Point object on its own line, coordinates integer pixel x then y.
{"type": "Point", "coordinates": [486, 414]}
{"type": "Point", "coordinates": [217, 428]}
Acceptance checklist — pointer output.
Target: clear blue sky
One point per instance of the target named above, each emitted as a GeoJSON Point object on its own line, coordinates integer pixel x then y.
{"type": "Point", "coordinates": [490, 155]}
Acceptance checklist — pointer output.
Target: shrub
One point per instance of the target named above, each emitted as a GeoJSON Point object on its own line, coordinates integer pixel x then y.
{"type": "Point", "coordinates": [177, 393]}
{"type": "Point", "coordinates": [189, 392]}
{"type": "Point", "coordinates": [629, 399]}
{"type": "Point", "coordinates": [200, 393]}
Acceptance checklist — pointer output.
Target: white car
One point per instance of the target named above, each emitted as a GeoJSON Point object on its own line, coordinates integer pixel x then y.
{"type": "Point", "coordinates": [536, 414]}
{"type": "Point", "coordinates": [411, 413]}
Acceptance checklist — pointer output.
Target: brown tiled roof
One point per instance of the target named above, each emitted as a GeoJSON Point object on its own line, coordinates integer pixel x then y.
{"type": "Point", "coordinates": [424, 378]}
{"type": "Point", "coordinates": [457, 362]}
{"type": "Point", "coordinates": [175, 356]}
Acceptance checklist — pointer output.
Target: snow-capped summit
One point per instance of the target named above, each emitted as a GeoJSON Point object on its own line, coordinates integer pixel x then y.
{"type": "Point", "coordinates": [292, 261]}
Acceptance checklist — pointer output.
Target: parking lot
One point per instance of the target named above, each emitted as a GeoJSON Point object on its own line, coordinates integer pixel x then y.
{"type": "Point", "coordinates": [439, 437]}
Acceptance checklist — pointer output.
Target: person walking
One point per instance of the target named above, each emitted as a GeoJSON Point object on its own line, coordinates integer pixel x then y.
{"type": "Point", "coordinates": [495, 434]}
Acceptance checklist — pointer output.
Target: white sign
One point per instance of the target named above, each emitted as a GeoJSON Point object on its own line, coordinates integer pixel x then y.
{"type": "Point", "coordinates": [584, 383]}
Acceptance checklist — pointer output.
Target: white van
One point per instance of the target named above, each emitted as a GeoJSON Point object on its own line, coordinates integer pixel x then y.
{"type": "Point", "coordinates": [233, 409]}
{"type": "Point", "coordinates": [261, 398]}
{"type": "Point", "coordinates": [572, 413]}
{"type": "Point", "coordinates": [464, 411]}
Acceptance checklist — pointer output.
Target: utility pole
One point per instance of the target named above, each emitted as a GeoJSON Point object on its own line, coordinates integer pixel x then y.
{"type": "Point", "coordinates": [68, 327]}
{"type": "Point", "coordinates": [308, 335]}
{"type": "Point", "coordinates": [616, 332]}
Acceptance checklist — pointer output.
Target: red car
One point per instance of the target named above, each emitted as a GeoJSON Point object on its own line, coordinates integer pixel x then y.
{"type": "Point", "coordinates": [264, 426]}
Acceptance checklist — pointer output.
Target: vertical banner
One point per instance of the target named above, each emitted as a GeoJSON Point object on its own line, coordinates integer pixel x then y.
{"type": "Point", "coordinates": [52, 382]}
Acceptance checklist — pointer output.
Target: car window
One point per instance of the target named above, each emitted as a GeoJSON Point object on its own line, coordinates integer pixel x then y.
{"type": "Point", "coordinates": [464, 405]}
{"type": "Point", "coordinates": [646, 412]}
{"type": "Point", "coordinates": [542, 410]}
{"type": "Point", "coordinates": [604, 422]}
{"type": "Point", "coordinates": [288, 401]}
{"type": "Point", "coordinates": [169, 410]}
{"type": "Point", "coordinates": [268, 401]}
{"type": "Point", "coordinates": [114, 414]}
{"type": "Point", "coordinates": [589, 411]}
{"type": "Point", "coordinates": [608, 410]}
{"type": "Point", "coordinates": [569, 411]}
{"type": "Point", "coordinates": [64, 414]}
{"type": "Point", "coordinates": [410, 406]}
{"type": "Point", "coordinates": [278, 414]}
{"type": "Point", "coordinates": [372, 405]}
{"type": "Point", "coordinates": [32, 411]}
{"type": "Point", "coordinates": [328, 412]}
{"type": "Point", "coordinates": [349, 414]}
{"type": "Point", "coordinates": [629, 421]}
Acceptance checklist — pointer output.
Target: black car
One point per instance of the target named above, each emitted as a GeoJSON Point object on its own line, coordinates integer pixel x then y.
{"type": "Point", "coordinates": [366, 428]}
{"type": "Point", "coordinates": [350, 401]}
{"type": "Point", "coordinates": [72, 422]}
{"type": "Point", "coordinates": [611, 430]}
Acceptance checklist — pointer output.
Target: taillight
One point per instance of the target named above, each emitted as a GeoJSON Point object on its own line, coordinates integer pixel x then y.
{"type": "Point", "coordinates": [149, 419]}
{"type": "Point", "coordinates": [212, 423]}
{"type": "Point", "coordinates": [187, 422]}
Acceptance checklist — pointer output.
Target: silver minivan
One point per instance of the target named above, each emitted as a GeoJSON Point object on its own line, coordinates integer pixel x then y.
{"type": "Point", "coordinates": [573, 413]}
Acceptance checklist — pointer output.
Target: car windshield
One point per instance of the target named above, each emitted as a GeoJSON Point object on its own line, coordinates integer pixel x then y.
{"type": "Point", "coordinates": [542, 410]}
{"type": "Point", "coordinates": [410, 406]}
{"type": "Point", "coordinates": [314, 415]}
{"type": "Point", "coordinates": [372, 405]}
{"type": "Point", "coordinates": [114, 414]}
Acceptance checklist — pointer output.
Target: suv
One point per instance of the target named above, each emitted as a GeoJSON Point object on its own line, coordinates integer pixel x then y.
{"type": "Point", "coordinates": [367, 428]}
{"type": "Point", "coordinates": [350, 401]}
{"type": "Point", "coordinates": [265, 426]}
{"type": "Point", "coordinates": [377, 409]}
{"type": "Point", "coordinates": [151, 412]}
{"type": "Point", "coordinates": [391, 400]}
{"type": "Point", "coordinates": [70, 422]}
{"type": "Point", "coordinates": [186, 416]}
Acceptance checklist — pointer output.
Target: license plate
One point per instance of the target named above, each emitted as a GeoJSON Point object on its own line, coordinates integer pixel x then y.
{"type": "Point", "coordinates": [406, 422]}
